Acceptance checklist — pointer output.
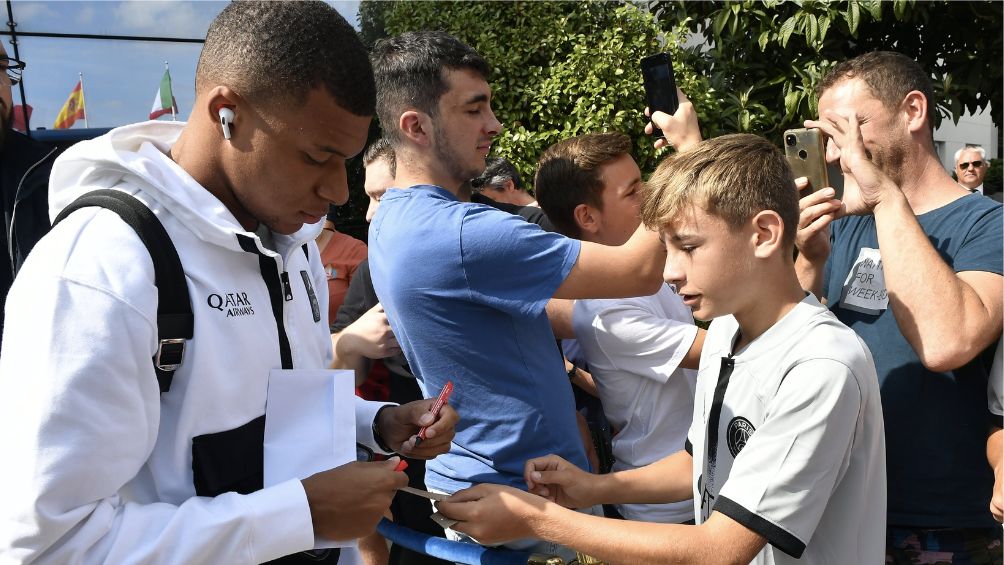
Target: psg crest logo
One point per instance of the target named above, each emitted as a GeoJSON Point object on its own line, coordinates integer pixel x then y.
{"type": "Point", "coordinates": [739, 431]}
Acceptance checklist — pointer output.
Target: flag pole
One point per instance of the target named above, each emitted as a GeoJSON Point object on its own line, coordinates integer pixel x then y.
{"type": "Point", "coordinates": [84, 98]}
{"type": "Point", "coordinates": [167, 70]}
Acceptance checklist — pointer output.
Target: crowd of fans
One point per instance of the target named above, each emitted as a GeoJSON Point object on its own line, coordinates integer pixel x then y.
{"type": "Point", "coordinates": [842, 406]}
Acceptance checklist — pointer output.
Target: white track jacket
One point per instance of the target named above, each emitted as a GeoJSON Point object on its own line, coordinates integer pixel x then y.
{"type": "Point", "coordinates": [97, 464]}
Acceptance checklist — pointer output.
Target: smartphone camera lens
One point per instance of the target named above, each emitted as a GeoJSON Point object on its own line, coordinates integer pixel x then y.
{"type": "Point", "coordinates": [803, 154]}
{"type": "Point", "coordinates": [790, 139]}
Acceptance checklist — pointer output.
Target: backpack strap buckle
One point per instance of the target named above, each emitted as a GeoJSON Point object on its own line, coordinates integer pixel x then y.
{"type": "Point", "coordinates": [170, 354]}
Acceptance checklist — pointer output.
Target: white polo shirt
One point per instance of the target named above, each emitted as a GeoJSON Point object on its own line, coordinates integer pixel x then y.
{"type": "Point", "coordinates": [634, 347]}
{"type": "Point", "coordinates": [798, 453]}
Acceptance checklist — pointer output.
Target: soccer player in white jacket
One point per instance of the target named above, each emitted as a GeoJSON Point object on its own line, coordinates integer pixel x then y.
{"type": "Point", "coordinates": [99, 465]}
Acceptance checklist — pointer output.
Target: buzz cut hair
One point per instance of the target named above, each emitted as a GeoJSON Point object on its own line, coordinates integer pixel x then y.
{"type": "Point", "coordinates": [568, 174]}
{"type": "Point", "coordinates": [278, 52]}
{"type": "Point", "coordinates": [733, 177]}
{"type": "Point", "coordinates": [410, 73]}
{"type": "Point", "coordinates": [890, 76]}
{"type": "Point", "coordinates": [381, 149]}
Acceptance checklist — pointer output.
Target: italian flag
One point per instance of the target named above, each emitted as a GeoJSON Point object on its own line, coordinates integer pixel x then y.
{"type": "Point", "coordinates": [164, 102]}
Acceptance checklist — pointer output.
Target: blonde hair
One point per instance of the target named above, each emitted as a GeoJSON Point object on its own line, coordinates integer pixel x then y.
{"type": "Point", "coordinates": [733, 177]}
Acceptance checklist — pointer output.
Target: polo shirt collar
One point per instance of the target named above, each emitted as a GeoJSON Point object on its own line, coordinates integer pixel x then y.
{"type": "Point", "coordinates": [780, 334]}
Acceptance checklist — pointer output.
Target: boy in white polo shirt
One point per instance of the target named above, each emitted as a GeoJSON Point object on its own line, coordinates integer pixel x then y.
{"type": "Point", "coordinates": [793, 469]}
{"type": "Point", "coordinates": [642, 352]}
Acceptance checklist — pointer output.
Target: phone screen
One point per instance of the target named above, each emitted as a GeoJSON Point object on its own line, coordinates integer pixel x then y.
{"type": "Point", "coordinates": [660, 85]}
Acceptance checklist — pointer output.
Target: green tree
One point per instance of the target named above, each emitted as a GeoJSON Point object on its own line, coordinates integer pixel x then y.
{"type": "Point", "coordinates": [768, 55]}
{"type": "Point", "coordinates": [559, 69]}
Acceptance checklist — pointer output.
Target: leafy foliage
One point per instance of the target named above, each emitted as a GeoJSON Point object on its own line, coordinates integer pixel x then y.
{"type": "Point", "coordinates": [768, 55]}
{"type": "Point", "coordinates": [567, 68]}
{"type": "Point", "coordinates": [559, 69]}
{"type": "Point", "coordinates": [994, 181]}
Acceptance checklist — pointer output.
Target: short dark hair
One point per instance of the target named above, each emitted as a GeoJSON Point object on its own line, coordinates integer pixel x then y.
{"type": "Point", "coordinates": [272, 52]}
{"type": "Point", "coordinates": [733, 177]}
{"type": "Point", "coordinates": [381, 149]}
{"type": "Point", "coordinates": [409, 73]}
{"type": "Point", "coordinates": [568, 175]}
{"type": "Point", "coordinates": [889, 76]}
{"type": "Point", "coordinates": [496, 173]}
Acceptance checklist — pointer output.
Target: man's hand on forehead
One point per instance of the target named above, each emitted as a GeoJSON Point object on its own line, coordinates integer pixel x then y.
{"type": "Point", "coordinates": [843, 129]}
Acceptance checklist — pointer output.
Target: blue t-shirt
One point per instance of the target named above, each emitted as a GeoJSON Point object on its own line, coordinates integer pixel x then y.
{"type": "Point", "coordinates": [464, 287]}
{"type": "Point", "coordinates": [936, 424]}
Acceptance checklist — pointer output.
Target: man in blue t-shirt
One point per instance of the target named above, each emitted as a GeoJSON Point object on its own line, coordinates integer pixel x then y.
{"type": "Point", "coordinates": [465, 285]}
{"type": "Point", "coordinates": [912, 262]}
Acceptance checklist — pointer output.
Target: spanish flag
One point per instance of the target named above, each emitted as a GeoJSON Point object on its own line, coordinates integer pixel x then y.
{"type": "Point", "coordinates": [73, 110]}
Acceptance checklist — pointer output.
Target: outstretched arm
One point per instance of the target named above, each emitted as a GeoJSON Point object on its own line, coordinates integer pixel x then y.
{"type": "Point", "coordinates": [599, 270]}
{"type": "Point", "coordinates": [666, 480]}
{"type": "Point", "coordinates": [493, 513]}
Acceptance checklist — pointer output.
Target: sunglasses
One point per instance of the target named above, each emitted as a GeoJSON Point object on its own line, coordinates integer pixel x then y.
{"type": "Point", "coordinates": [13, 68]}
{"type": "Point", "coordinates": [975, 164]}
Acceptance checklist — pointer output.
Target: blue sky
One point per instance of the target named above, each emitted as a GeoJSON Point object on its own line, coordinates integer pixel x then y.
{"type": "Point", "coordinates": [120, 77]}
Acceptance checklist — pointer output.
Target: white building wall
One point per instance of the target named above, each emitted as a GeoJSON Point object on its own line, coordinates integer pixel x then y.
{"type": "Point", "coordinates": [971, 130]}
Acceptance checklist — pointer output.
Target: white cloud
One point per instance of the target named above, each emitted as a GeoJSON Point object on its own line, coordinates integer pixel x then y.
{"type": "Point", "coordinates": [32, 12]}
{"type": "Point", "coordinates": [174, 19]}
{"type": "Point", "coordinates": [85, 15]}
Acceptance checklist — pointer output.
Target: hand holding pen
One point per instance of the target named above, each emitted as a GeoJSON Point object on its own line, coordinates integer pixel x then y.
{"type": "Point", "coordinates": [441, 400]}
{"type": "Point", "coordinates": [421, 429]}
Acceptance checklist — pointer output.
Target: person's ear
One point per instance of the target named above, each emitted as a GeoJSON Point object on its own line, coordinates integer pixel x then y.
{"type": "Point", "coordinates": [768, 233]}
{"type": "Point", "coordinates": [225, 108]}
{"type": "Point", "coordinates": [587, 218]}
{"type": "Point", "coordinates": [508, 185]}
{"type": "Point", "coordinates": [416, 126]}
{"type": "Point", "coordinates": [915, 109]}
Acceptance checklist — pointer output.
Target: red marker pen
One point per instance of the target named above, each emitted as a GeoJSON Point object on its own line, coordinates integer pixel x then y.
{"type": "Point", "coordinates": [444, 396]}
{"type": "Point", "coordinates": [401, 466]}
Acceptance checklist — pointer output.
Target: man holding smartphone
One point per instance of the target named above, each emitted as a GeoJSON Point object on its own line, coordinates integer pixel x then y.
{"type": "Point", "coordinates": [912, 262]}
{"type": "Point", "coordinates": [465, 285]}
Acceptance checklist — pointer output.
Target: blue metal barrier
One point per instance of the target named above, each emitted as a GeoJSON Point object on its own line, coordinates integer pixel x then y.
{"type": "Point", "coordinates": [454, 551]}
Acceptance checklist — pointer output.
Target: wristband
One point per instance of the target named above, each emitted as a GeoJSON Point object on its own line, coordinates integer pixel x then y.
{"type": "Point", "coordinates": [377, 436]}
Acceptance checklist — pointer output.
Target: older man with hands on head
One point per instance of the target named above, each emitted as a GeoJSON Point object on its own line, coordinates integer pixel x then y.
{"type": "Point", "coordinates": [912, 261]}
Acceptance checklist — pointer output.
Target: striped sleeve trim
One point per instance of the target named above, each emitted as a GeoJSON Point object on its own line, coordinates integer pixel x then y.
{"type": "Point", "coordinates": [775, 535]}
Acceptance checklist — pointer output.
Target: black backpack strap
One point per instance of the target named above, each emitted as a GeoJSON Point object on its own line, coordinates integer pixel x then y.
{"type": "Point", "coordinates": [175, 321]}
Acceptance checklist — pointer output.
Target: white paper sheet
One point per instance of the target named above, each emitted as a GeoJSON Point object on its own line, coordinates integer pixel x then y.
{"type": "Point", "coordinates": [310, 426]}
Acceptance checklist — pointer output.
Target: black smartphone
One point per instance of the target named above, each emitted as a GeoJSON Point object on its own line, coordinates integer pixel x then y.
{"type": "Point", "coordinates": [660, 86]}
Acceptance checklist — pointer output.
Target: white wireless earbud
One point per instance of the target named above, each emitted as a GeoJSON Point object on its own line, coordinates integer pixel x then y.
{"type": "Point", "coordinates": [226, 118]}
